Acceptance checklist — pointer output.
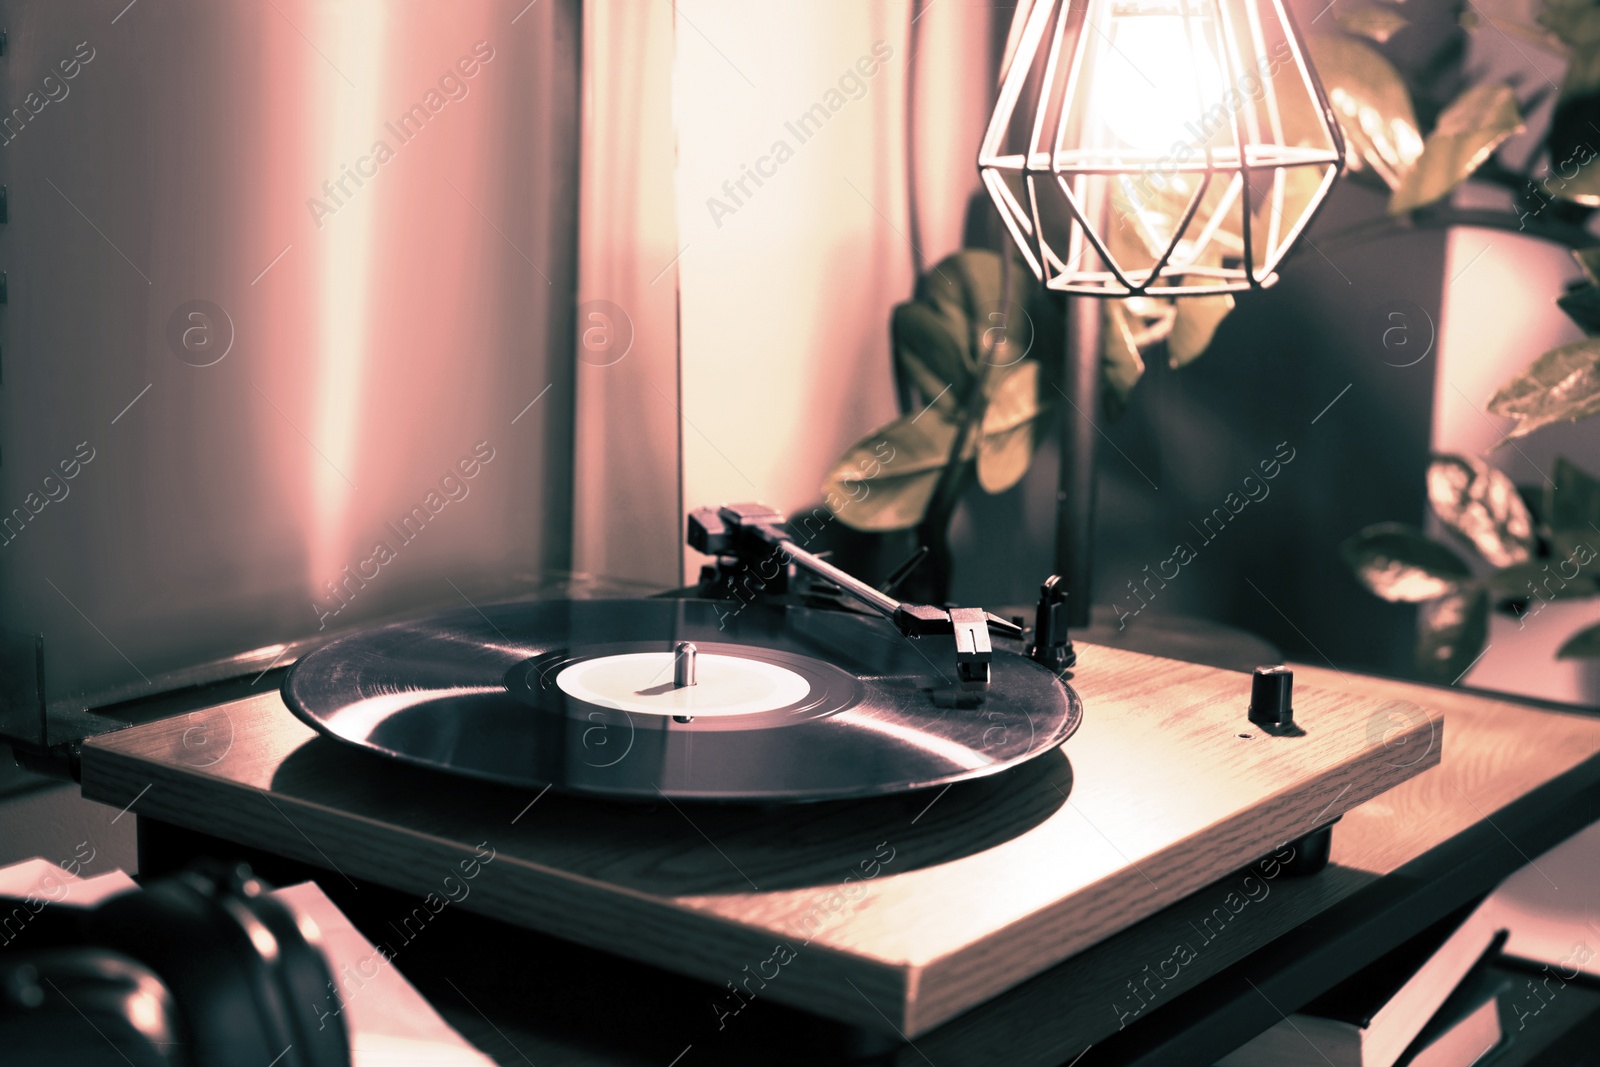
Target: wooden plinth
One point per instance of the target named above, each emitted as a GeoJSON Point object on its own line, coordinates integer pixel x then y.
{"type": "Point", "coordinates": [907, 911]}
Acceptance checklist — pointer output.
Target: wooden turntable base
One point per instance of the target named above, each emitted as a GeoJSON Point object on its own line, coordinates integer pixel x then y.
{"type": "Point", "coordinates": [904, 912]}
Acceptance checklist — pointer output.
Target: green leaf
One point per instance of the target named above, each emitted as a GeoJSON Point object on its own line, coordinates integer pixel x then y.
{"type": "Point", "coordinates": [1150, 318]}
{"type": "Point", "coordinates": [1120, 364]}
{"type": "Point", "coordinates": [1563, 385]}
{"type": "Point", "coordinates": [1582, 306]}
{"type": "Point", "coordinates": [1576, 547]}
{"type": "Point", "coordinates": [1376, 21]}
{"type": "Point", "coordinates": [1467, 133]}
{"type": "Point", "coordinates": [951, 335]}
{"type": "Point", "coordinates": [1399, 563]}
{"type": "Point", "coordinates": [1013, 424]}
{"type": "Point", "coordinates": [1585, 644]}
{"type": "Point", "coordinates": [1372, 104]}
{"type": "Point", "coordinates": [1589, 260]}
{"type": "Point", "coordinates": [1582, 186]}
{"type": "Point", "coordinates": [947, 290]}
{"type": "Point", "coordinates": [885, 480]}
{"type": "Point", "coordinates": [1576, 23]}
{"type": "Point", "coordinates": [1481, 504]}
{"type": "Point", "coordinates": [955, 324]}
{"type": "Point", "coordinates": [1194, 326]}
{"type": "Point", "coordinates": [1451, 633]}
{"type": "Point", "coordinates": [1472, 21]}
{"type": "Point", "coordinates": [1535, 581]}
{"type": "Point", "coordinates": [930, 354]}
{"type": "Point", "coordinates": [1572, 499]}
{"type": "Point", "coordinates": [936, 328]}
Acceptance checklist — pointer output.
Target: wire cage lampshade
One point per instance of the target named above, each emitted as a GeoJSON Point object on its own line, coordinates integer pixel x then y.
{"type": "Point", "coordinates": [1162, 147]}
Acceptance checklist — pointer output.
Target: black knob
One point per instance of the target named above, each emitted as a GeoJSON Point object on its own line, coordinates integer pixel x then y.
{"type": "Point", "coordinates": [1272, 697]}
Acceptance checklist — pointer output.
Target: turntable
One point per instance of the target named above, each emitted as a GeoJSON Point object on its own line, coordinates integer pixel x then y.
{"type": "Point", "coordinates": [926, 805]}
{"type": "Point", "coordinates": [698, 699]}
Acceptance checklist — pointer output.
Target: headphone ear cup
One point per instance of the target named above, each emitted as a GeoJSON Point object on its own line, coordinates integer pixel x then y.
{"type": "Point", "coordinates": [305, 982]}
{"type": "Point", "coordinates": [231, 1010]}
{"type": "Point", "coordinates": [87, 1006]}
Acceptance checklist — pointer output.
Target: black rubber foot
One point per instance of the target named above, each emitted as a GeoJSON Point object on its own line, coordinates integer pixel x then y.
{"type": "Point", "coordinates": [1310, 852]}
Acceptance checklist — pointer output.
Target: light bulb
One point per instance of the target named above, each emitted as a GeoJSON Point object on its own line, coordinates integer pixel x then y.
{"type": "Point", "coordinates": [1178, 146]}
{"type": "Point", "coordinates": [1156, 73]}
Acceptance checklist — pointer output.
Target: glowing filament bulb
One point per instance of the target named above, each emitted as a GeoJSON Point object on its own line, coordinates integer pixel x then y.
{"type": "Point", "coordinates": [1156, 72]}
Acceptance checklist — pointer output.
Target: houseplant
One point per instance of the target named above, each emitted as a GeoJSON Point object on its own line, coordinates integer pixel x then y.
{"type": "Point", "coordinates": [1523, 547]}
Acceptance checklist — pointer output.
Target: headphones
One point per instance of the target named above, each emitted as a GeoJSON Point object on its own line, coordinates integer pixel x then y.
{"type": "Point", "coordinates": [200, 969]}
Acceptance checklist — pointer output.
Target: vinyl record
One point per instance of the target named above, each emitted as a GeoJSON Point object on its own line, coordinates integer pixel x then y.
{"type": "Point", "coordinates": [789, 703]}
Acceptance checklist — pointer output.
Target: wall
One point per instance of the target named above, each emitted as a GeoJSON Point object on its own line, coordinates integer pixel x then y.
{"type": "Point", "coordinates": [39, 817]}
{"type": "Point", "coordinates": [265, 365]}
{"type": "Point", "coordinates": [357, 336]}
{"type": "Point", "coordinates": [628, 504]}
{"type": "Point", "coordinates": [787, 278]}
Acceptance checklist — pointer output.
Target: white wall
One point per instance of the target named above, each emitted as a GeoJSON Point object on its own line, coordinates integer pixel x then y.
{"type": "Point", "coordinates": [786, 286]}
{"type": "Point", "coordinates": [627, 504]}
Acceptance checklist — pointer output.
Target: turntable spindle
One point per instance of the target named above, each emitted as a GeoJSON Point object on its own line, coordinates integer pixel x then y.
{"type": "Point", "coordinates": [683, 672]}
{"type": "Point", "coordinates": [683, 664]}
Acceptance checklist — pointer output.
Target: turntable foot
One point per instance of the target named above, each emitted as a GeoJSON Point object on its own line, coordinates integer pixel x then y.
{"type": "Point", "coordinates": [1310, 852]}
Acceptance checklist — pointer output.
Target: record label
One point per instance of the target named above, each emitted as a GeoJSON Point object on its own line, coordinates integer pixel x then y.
{"type": "Point", "coordinates": [642, 682]}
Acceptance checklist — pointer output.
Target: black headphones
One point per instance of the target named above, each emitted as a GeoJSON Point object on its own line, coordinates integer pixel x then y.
{"type": "Point", "coordinates": [200, 969]}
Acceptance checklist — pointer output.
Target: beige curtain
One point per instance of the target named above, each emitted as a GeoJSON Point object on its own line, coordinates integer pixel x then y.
{"type": "Point", "coordinates": [788, 161]}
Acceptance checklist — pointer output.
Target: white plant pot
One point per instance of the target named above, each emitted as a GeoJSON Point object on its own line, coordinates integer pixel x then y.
{"type": "Point", "coordinates": [1497, 315]}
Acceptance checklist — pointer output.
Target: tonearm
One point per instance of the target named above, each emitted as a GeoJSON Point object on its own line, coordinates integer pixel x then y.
{"type": "Point", "coordinates": [745, 536]}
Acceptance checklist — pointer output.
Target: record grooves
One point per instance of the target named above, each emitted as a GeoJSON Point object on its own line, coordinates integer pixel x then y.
{"type": "Point", "coordinates": [788, 704]}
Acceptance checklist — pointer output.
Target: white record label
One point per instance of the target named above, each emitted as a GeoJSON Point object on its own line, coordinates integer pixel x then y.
{"type": "Point", "coordinates": [642, 682]}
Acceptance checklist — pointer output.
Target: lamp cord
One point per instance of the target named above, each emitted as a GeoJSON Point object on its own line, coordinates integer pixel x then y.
{"type": "Point", "coordinates": [904, 392]}
{"type": "Point", "coordinates": [914, 219]}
